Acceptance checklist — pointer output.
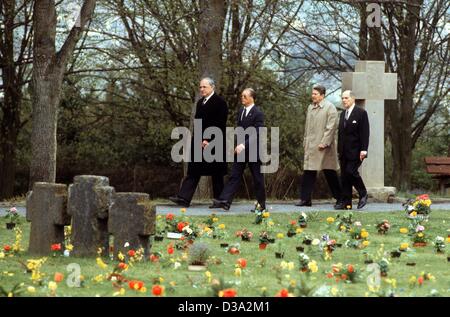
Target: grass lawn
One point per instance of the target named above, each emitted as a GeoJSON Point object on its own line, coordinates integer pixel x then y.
{"type": "Point", "coordinates": [263, 270]}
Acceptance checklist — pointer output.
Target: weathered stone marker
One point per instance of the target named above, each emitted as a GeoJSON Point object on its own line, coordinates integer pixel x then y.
{"type": "Point", "coordinates": [371, 84]}
{"type": "Point", "coordinates": [47, 210]}
{"type": "Point", "coordinates": [89, 200]}
{"type": "Point", "coordinates": [132, 220]}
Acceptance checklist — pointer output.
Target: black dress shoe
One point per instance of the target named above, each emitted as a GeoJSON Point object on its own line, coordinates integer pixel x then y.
{"type": "Point", "coordinates": [339, 206]}
{"type": "Point", "coordinates": [304, 203]}
{"type": "Point", "coordinates": [214, 205]}
{"type": "Point", "coordinates": [363, 201]}
{"type": "Point", "coordinates": [179, 201]}
{"type": "Point", "coordinates": [222, 204]}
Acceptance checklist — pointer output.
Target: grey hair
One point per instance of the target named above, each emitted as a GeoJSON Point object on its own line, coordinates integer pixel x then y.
{"type": "Point", "coordinates": [252, 92]}
{"type": "Point", "coordinates": [351, 93]}
{"type": "Point", "coordinates": [210, 81]}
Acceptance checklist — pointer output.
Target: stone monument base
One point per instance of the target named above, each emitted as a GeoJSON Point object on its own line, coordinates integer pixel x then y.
{"type": "Point", "coordinates": [382, 194]}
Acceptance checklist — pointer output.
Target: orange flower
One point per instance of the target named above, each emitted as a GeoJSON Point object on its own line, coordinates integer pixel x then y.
{"type": "Point", "coordinates": [283, 293]}
{"type": "Point", "coordinates": [330, 275]}
{"type": "Point", "coordinates": [229, 292]}
{"type": "Point", "coordinates": [181, 225]}
{"type": "Point", "coordinates": [293, 222]}
{"type": "Point", "coordinates": [122, 266]}
{"type": "Point", "coordinates": [58, 277]}
{"type": "Point", "coordinates": [154, 258]}
{"type": "Point", "coordinates": [350, 268]}
{"type": "Point", "coordinates": [344, 276]}
{"type": "Point", "coordinates": [56, 247]}
{"type": "Point", "coordinates": [131, 253]}
{"type": "Point", "coordinates": [135, 285]}
{"type": "Point", "coordinates": [158, 290]}
{"type": "Point", "coordinates": [7, 248]}
{"type": "Point", "coordinates": [242, 263]}
{"type": "Point", "coordinates": [169, 217]}
{"type": "Point", "coordinates": [170, 250]}
{"type": "Point", "coordinates": [233, 250]}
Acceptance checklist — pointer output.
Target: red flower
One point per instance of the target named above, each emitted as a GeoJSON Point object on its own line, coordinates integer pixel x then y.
{"type": "Point", "coordinates": [262, 246]}
{"type": "Point", "coordinates": [181, 225]}
{"type": "Point", "coordinates": [157, 290]}
{"type": "Point", "coordinates": [169, 217]}
{"type": "Point", "coordinates": [423, 197]}
{"type": "Point", "coordinates": [7, 248]}
{"type": "Point", "coordinates": [350, 268]}
{"type": "Point", "coordinates": [136, 285]}
{"type": "Point", "coordinates": [229, 292]}
{"type": "Point", "coordinates": [330, 275]}
{"type": "Point", "coordinates": [58, 277]}
{"type": "Point", "coordinates": [131, 253]}
{"type": "Point", "coordinates": [56, 247]}
{"type": "Point", "coordinates": [154, 258]}
{"type": "Point", "coordinates": [344, 276]}
{"type": "Point", "coordinates": [283, 293]}
{"type": "Point", "coordinates": [170, 250]}
{"type": "Point", "coordinates": [293, 222]}
{"type": "Point", "coordinates": [233, 250]}
{"type": "Point", "coordinates": [242, 263]}
{"type": "Point", "coordinates": [420, 280]}
{"type": "Point", "coordinates": [122, 266]}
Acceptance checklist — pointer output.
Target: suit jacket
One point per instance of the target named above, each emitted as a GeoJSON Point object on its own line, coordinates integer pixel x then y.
{"type": "Point", "coordinates": [354, 137]}
{"type": "Point", "coordinates": [213, 114]}
{"type": "Point", "coordinates": [255, 118]}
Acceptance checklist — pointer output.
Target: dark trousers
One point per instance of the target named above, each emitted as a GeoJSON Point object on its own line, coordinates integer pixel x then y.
{"type": "Point", "coordinates": [309, 179]}
{"type": "Point", "coordinates": [190, 184]}
{"type": "Point", "coordinates": [235, 180]}
{"type": "Point", "coordinates": [350, 177]}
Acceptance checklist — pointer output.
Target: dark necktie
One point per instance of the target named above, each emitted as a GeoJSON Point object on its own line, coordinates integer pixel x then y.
{"type": "Point", "coordinates": [346, 118]}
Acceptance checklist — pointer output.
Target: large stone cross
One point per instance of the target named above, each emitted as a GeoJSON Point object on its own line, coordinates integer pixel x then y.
{"type": "Point", "coordinates": [372, 85]}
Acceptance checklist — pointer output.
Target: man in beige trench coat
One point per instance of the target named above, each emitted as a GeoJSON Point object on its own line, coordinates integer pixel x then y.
{"type": "Point", "coordinates": [319, 143]}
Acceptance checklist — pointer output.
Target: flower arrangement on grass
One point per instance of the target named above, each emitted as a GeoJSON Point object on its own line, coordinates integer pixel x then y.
{"type": "Point", "coordinates": [260, 214]}
{"type": "Point", "coordinates": [418, 237]}
{"type": "Point", "coordinates": [439, 244]}
{"type": "Point", "coordinates": [11, 217]}
{"type": "Point", "coordinates": [418, 208]}
{"type": "Point", "coordinates": [244, 234]}
{"type": "Point", "coordinates": [383, 227]}
{"type": "Point", "coordinates": [344, 221]}
{"type": "Point", "coordinates": [189, 233]}
{"type": "Point", "coordinates": [264, 239]}
{"type": "Point", "coordinates": [292, 228]}
{"type": "Point", "coordinates": [383, 264]}
{"type": "Point", "coordinates": [357, 232]}
{"type": "Point", "coordinates": [302, 220]}
{"type": "Point", "coordinates": [171, 223]}
{"type": "Point", "coordinates": [234, 249]}
{"type": "Point", "coordinates": [306, 264]}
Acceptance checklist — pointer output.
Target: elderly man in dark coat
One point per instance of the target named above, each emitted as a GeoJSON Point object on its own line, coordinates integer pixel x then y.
{"type": "Point", "coordinates": [212, 110]}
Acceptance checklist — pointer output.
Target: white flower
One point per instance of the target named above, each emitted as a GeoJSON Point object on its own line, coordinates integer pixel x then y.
{"type": "Point", "coordinates": [315, 242]}
{"type": "Point", "coordinates": [176, 265]}
{"type": "Point", "coordinates": [13, 210]}
{"type": "Point", "coordinates": [113, 278]}
{"type": "Point", "coordinates": [420, 228]}
{"type": "Point", "coordinates": [66, 253]}
{"type": "Point", "coordinates": [440, 239]}
{"type": "Point", "coordinates": [410, 208]}
{"type": "Point", "coordinates": [357, 223]}
{"type": "Point", "coordinates": [187, 229]}
{"type": "Point", "coordinates": [304, 215]}
{"type": "Point", "coordinates": [126, 245]}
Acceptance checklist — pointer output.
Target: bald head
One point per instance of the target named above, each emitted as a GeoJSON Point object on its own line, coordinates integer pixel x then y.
{"type": "Point", "coordinates": [348, 99]}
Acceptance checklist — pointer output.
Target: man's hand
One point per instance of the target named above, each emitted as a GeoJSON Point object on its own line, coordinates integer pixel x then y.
{"type": "Point", "coordinates": [362, 155]}
{"type": "Point", "coordinates": [205, 144]}
{"type": "Point", "coordinates": [322, 147]}
{"type": "Point", "coordinates": [239, 148]}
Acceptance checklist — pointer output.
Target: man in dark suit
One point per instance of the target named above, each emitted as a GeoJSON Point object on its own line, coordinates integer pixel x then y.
{"type": "Point", "coordinates": [353, 143]}
{"type": "Point", "coordinates": [246, 153]}
{"type": "Point", "coordinates": [213, 111]}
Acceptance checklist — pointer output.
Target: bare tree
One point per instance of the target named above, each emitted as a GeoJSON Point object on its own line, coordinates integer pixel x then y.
{"type": "Point", "coordinates": [49, 66]}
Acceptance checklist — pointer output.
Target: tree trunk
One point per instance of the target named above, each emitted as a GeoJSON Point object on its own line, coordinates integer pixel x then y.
{"type": "Point", "coordinates": [210, 30]}
{"type": "Point", "coordinates": [46, 82]}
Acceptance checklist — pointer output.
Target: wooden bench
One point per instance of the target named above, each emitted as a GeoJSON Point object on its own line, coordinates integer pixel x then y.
{"type": "Point", "coordinates": [440, 167]}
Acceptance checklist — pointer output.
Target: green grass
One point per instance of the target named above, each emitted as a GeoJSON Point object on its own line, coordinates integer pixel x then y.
{"type": "Point", "coordinates": [260, 271]}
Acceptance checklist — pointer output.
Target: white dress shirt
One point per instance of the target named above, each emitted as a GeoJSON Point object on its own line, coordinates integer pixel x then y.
{"type": "Point", "coordinates": [247, 110]}
{"type": "Point", "coordinates": [207, 98]}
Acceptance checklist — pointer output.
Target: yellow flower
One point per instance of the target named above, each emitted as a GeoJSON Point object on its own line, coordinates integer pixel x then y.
{"type": "Point", "coordinates": [290, 266]}
{"type": "Point", "coordinates": [313, 266]}
{"type": "Point", "coordinates": [159, 217]}
{"type": "Point", "coordinates": [283, 265]}
{"type": "Point", "coordinates": [69, 247]}
{"type": "Point", "coordinates": [448, 239]}
{"type": "Point", "coordinates": [52, 286]}
{"type": "Point", "coordinates": [98, 278]}
{"type": "Point", "coordinates": [208, 276]}
{"type": "Point", "coordinates": [404, 246]}
{"type": "Point", "coordinates": [266, 214]}
{"type": "Point", "coordinates": [31, 289]}
{"type": "Point", "coordinates": [280, 236]}
{"type": "Point", "coordinates": [215, 219]}
{"type": "Point", "coordinates": [414, 213]}
{"type": "Point", "coordinates": [2, 255]}
{"type": "Point", "coordinates": [330, 220]}
{"type": "Point", "coordinates": [237, 271]}
{"type": "Point", "coordinates": [271, 223]}
{"type": "Point", "coordinates": [412, 280]}
{"type": "Point", "coordinates": [101, 264]}
{"type": "Point", "coordinates": [207, 229]}
{"type": "Point", "coordinates": [420, 234]}
{"type": "Point", "coordinates": [183, 210]}
{"type": "Point", "coordinates": [292, 283]}
{"type": "Point", "coordinates": [403, 230]}
{"type": "Point", "coordinates": [221, 226]}
{"type": "Point", "coordinates": [365, 243]}
{"type": "Point", "coordinates": [173, 283]}
{"type": "Point", "coordinates": [342, 228]}
{"type": "Point", "coordinates": [121, 257]}
{"type": "Point", "coordinates": [161, 279]}
{"type": "Point", "coordinates": [364, 234]}
{"type": "Point", "coordinates": [334, 291]}
{"type": "Point", "coordinates": [427, 202]}
{"type": "Point", "coordinates": [121, 292]}
{"type": "Point", "coordinates": [298, 230]}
